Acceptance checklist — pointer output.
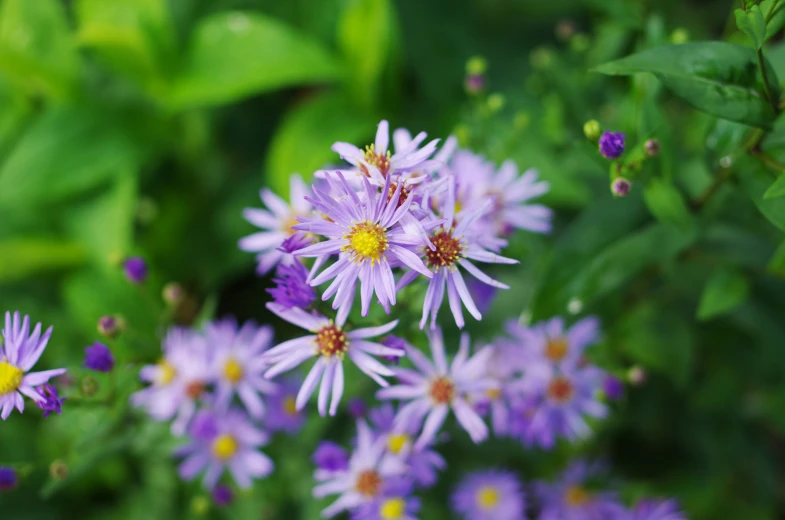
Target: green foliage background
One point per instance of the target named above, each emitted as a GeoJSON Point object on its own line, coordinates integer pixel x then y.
{"type": "Point", "coordinates": [145, 126]}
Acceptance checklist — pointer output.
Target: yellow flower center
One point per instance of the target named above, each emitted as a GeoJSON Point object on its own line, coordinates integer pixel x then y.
{"type": "Point", "coordinates": [332, 341]}
{"type": "Point", "coordinates": [166, 373]}
{"type": "Point", "coordinates": [493, 394]}
{"type": "Point", "coordinates": [10, 377]}
{"type": "Point", "coordinates": [288, 224]}
{"type": "Point", "coordinates": [290, 405]}
{"type": "Point", "coordinates": [367, 241]}
{"type": "Point", "coordinates": [233, 371]}
{"type": "Point", "coordinates": [556, 349]}
{"type": "Point", "coordinates": [487, 497]}
{"type": "Point", "coordinates": [396, 442]}
{"type": "Point", "coordinates": [576, 496]}
{"type": "Point", "coordinates": [224, 447]}
{"type": "Point", "coordinates": [382, 162]}
{"type": "Point", "coordinates": [392, 509]}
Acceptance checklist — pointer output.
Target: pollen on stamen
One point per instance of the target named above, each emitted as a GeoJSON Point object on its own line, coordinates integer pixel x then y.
{"type": "Point", "coordinates": [380, 161]}
{"type": "Point", "coordinates": [332, 341]}
{"type": "Point", "coordinates": [442, 390]}
{"type": "Point", "coordinates": [368, 483]}
{"type": "Point", "coordinates": [447, 250]}
{"type": "Point", "coordinates": [367, 241]}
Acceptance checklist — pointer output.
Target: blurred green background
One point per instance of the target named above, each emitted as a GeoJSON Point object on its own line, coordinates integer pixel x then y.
{"type": "Point", "coordinates": [143, 127]}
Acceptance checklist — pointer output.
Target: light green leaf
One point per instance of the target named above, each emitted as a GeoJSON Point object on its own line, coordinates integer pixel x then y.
{"type": "Point", "coordinates": [302, 142]}
{"type": "Point", "coordinates": [725, 290]}
{"type": "Point", "coordinates": [24, 257]}
{"type": "Point", "coordinates": [753, 24]}
{"type": "Point", "coordinates": [775, 20]}
{"type": "Point", "coordinates": [232, 55]}
{"type": "Point", "coordinates": [777, 189]}
{"type": "Point", "coordinates": [64, 152]}
{"type": "Point", "coordinates": [36, 47]}
{"type": "Point", "coordinates": [756, 180]}
{"type": "Point", "coordinates": [719, 78]}
{"type": "Point", "coordinates": [666, 203]}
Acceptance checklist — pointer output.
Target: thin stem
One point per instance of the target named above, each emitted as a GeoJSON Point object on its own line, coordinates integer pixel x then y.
{"type": "Point", "coordinates": [719, 180]}
{"type": "Point", "coordinates": [772, 9]}
{"type": "Point", "coordinates": [772, 163]}
{"type": "Point", "coordinates": [774, 102]}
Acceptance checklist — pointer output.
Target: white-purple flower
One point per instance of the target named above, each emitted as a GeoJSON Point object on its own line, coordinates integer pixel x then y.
{"type": "Point", "coordinates": [489, 495]}
{"type": "Point", "coordinates": [438, 388]}
{"type": "Point", "coordinates": [330, 343]}
{"type": "Point", "coordinates": [19, 352]}
{"type": "Point", "coordinates": [222, 441]}
{"type": "Point", "coordinates": [657, 510]}
{"type": "Point", "coordinates": [282, 413]}
{"type": "Point", "coordinates": [571, 499]}
{"type": "Point", "coordinates": [277, 221]}
{"type": "Point", "coordinates": [551, 343]}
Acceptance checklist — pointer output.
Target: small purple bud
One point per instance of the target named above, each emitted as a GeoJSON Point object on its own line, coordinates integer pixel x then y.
{"type": "Point", "coordinates": [651, 147]}
{"type": "Point", "coordinates": [203, 426]}
{"type": "Point", "coordinates": [8, 479]}
{"type": "Point", "coordinates": [636, 375]}
{"type": "Point", "coordinates": [612, 144]}
{"type": "Point", "coordinates": [330, 456]}
{"type": "Point", "coordinates": [357, 408]}
{"type": "Point", "coordinates": [474, 83]}
{"type": "Point", "coordinates": [108, 326]}
{"type": "Point", "coordinates": [222, 495]}
{"type": "Point", "coordinates": [135, 269]}
{"type": "Point", "coordinates": [613, 387]}
{"type": "Point", "coordinates": [395, 343]}
{"type": "Point", "coordinates": [52, 401]}
{"type": "Point", "coordinates": [98, 357]}
{"type": "Point", "coordinates": [291, 286]}
{"type": "Point", "coordinates": [620, 187]}
{"type": "Point", "coordinates": [173, 293]}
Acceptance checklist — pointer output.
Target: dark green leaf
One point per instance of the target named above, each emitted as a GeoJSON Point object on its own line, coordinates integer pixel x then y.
{"type": "Point", "coordinates": [719, 78]}
{"type": "Point", "coordinates": [725, 289]}
{"type": "Point", "coordinates": [777, 189]}
{"type": "Point", "coordinates": [753, 24]}
{"type": "Point", "coordinates": [756, 180]}
{"type": "Point", "coordinates": [777, 263]}
{"type": "Point", "coordinates": [775, 20]}
{"type": "Point", "coordinates": [666, 203]}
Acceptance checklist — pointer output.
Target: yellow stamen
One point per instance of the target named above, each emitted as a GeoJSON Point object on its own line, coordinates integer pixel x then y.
{"type": "Point", "coordinates": [396, 442]}
{"type": "Point", "coordinates": [487, 497]}
{"type": "Point", "coordinates": [10, 377]}
{"type": "Point", "coordinates": [290, 405]}
{"type": "Point", "coordinates": [166, 373]}
{"type": "Point", "coordinates": [392, 509]}
{"type": "Point", "coordinates": [224, 447]}
{"type": "Point", "coordinates": [233, 371]}
{"type": "Point", "coordinates": [576, 496]}
{"type": "Point", "coordinates": [367, 241]}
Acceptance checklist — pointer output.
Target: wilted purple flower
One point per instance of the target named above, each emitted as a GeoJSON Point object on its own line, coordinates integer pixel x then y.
{"type": "Point", "coordinates": [52, 401]}
{"type": "Point", "coordinates": [393, 503]}
{"type": "Point", "coordinates": [98, 357]}
{"type": "Point", "coordinates": [570, 499]}
{"type": "Point", "coordinates": [332, 344]}
{"type": "Point", "coordinates": [135, 269]}
{"type": "Point", "coordinates": [612, 144]}
{"type": "Point", "coordinates": [438, 388]}
{"type": "Point", "coordinates": [613, 387]}
{"type": "Point", "coordinates": [330, 457]}
{"type": "Point", "coordinates": [489, 495]}
{"type": "Point", "coordinates": [657, 510]}
{"type": "Point", "coordinates": [369, 237]}
{"type": "Point", "coordinates": [8, 478]}
{"type": "Point", "coordinates": [276, 221]}
{"type": "Point", "coordinates": [282, 413]}
{"type": "Point", "coordinates": [19, 352]}
{"type": "Point", "coordinates": [224, 441]}
{"type": "Point", "coordinates": [292, 288]}
{"type": "Point", "coordinates": [222, 495]}
{"type": "Point", "coordinates": [357, 407]}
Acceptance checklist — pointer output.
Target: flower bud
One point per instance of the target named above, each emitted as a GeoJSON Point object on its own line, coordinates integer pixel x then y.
{"type": "Point", "coordinates": [58, 469]}
{"type": "Point", "coordinates": [8, 479]}
{"type": "Point", "coordinates": [173, 293]}
{"type": "Point", "coordinates": [651, 147]}
{"type": "Point", "coordinates": [109, 326]}
{"type": "Point", "coordinates": [565, 30]}
{"type": "Point", "coordinates": [612, 144]}
{"type": "Point", "coordinates": [476, 65]}
{"type": "Point", "coordinates": [474, 83]}
{"type": "Point", "coordinates": [89, 386]}
{"type": "Point", "coordinates": [636, 375]}
{"type": "Point", "coordinates": [613, 387]}
{"type": "Point", "coordinates": [98, 357]}
{"type": "Point", "coordinates": [580, 43]}
{"type": "Point", "coordinates": [222, 495]}
{"type": "Point", "coordinates": [135, 269]}
{"type": "Point", "coordinates": [620, 187]}
{"type": "Point", "coordinates": [200, 505]}
{"type": "Point", "coordinates": [592, 130]}
{"type": "Point", "coordinates": [357, 408]}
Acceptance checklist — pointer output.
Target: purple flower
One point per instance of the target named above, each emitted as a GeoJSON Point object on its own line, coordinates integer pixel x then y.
{"type": "Point", "coordinates": [108, 326]}
{"type": "Point", "coordinates": [369, 236]}
{"type": "Point", "coordinates": [438, 388]}
{"type": "Point", "coordinates": [52, 401]}
{"type": "Point", "coordinates": [135, 269]}
{"type": "Point", "coordinates": [363, 480]}
{"type": "Point", "coordinates": [502, 367]}
{"type": "Point", "coordinates": [98, 358]}
{"type": "Point", "coordinates": [551, 343]}
{"type": "Point", "coordinates": [8, 478]}
{"type": "Point", "coordinates": [332, 344]}
{"type": "Point", "coordinates": [178, 380]}
{"type": "Point", "coordinates": [236, 359]}
{"type": "Point", "coordinates": [276, 221]}
{"type": "Point", "coordinates": [657, 510]}
{"type": "Point", "coordinates": [295, 242]}
{"type": "Point", "coordinates": [393, 503]}
{"type": "Point", "coordinates": [282, 413]}
{"type": "Point", "coordinates": [489, 495]}
{"type": "Point", "coordinates": [613, 387]}
{"type": "Point", "coordinates": [612, 144]}
{"type": "Point", "coordinates": [396, 343]}
{"type": "Point", "coordinates": [292, 289]}
{"type": "Point", "coordinates": [19, 352]}
{"type": "Point", "coordinates": [570, 499]}
{"type": "Point", "coordinates": [358, 408]}
{"type": "Point", "coordinates": [222, 495]}
{"type": "Point", "coordinates": [330, 457]}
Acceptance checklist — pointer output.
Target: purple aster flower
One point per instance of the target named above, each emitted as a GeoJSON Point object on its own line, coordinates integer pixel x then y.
{"type": "Point", "coordinates": [19, 352]}
{"type": "Point", "coordinates": [437, 388]}
{"type": "Point", "coordinates": [282, 413]}
{"type": "Point", "coordinates": [8, 478]}
{"type": "Point", "coordinates": [222, 495]}
{"type": "Point", "coordinates": [502, 367]}
{"type": "Point", "coordinates": [393, 503]}
{"type": "Point", "coordinates": [363, 481]}
{"type": "Point", "coordinates": [657, 510]}
{"type": "Point", "coordinates": [396, 343]}
{"type": "Point", "coordinates": [52, 401]}
{"type": "Point", "coordinates": [454, 247]}
{"type": "Point", "coordinates": [332, 344]}
{"type": "Point", "coordinates": [292, 288]}
{"type": "Point", "coordinates": [276, 221]}
{"type": "Point", "coordinates": [330, 458]}
{"type": "Point", "coordinates": [236, 357]}
{"type": "Point", "coordinates": [99, 358]}
{"type": "Point", "coordinates": [224, 441]}
{"type": "Point", "coordinates": [612, 144]}
{"type": "Point", "coordinates": [570, 499]}
{"type": "Point", "coordinates": [489, 495]}
{"type": "Point", "coordinates": [135, 269]}
{"type": "Point", "coordinates": [295, 242]}
{"type": "Point", "coordinates": [369, 236]}
{"type": "Point", "coordinates": [613, 387]}
{"type": "Point", "coordinates": [550, 342]}
{"type": "Point", "coordinates": [358, 408]}
{"type": "Point", "coordinates": [178, 381]}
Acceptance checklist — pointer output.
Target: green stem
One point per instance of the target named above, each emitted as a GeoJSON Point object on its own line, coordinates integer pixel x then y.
{"type": "Point", "coordinates": [769, 95]}
{"type": "Point", "coordinates": [772, 9]}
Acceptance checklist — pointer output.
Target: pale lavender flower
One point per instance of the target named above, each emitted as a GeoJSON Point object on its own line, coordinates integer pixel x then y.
{"type": "Point", "coordinates": [369, 236]}
{"type": "Point", "coordinates": [394, 503]}
{"type": "Point", "coordinates": [363, 481]}
{"type": "Point", "coordinates": [236, 358]}
{"type": "Point", "coordinates": [502, 367]}
{"type": "Point", "coordinates": [330, 343]}
{"type": "Point", "coordinates": [291, 286]}
{"type": "Point", "coordinates": [437, 388]}
{"type": "Point", "coordinates": [222, 441]}
{"type": "Point", "coordinates": [178, 380]}
{"type": "Point", "coordinates": [657, 510]}
{"type": "Point", "coordinates": [19, 352]}
{"type": "Point", "coordinates": [282, 414]}
{"type": "Point", "coordinates": [489, 495]}
{"type": "Point", "coordinates": [277, 221]}
{"type": "Point", "coordinates": [570, 499]}
{"type": "Point", "coordinates": [551, 343]}
{"type": "Point", "coordinates": [222, 495]}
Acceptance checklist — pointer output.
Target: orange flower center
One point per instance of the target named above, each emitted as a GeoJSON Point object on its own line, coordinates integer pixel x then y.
{"type": "Point", "coordinates": [446, 250]}
{"type": "Point", "coordinates": [576, 496]}
{"type": "Point", "coordinates": [332, 341]}
{"type": "Point", "coordinates": [556, 349]}
{"type": "Point", "coordinates": [194, 389]}
{"type": "Point", "coordinates": [442, 390]}
{"type": "Point", "coordinates": [368, 483]}
{"type": "Point", "coordinates": [372, 157]}
{"type": "Point", "coordinates": [560, 389]}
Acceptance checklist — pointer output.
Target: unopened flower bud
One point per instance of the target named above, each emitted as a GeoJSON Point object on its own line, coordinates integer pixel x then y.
{"type": "Point", "coordinates": [612, 144]}
{"type": "Point", "coordinates": [357, 408]}
{"type": "Point", "coordinates": [592, 130]}
{"type": "Point", "coordinates": [222, 495]}
{"type": "Point", "coordinates": [476, 65]}
{"type": "Point", "coordinates": [8, 479]}
{"type": "Point", "coordinates": [651, 147]}
{"type": "Point", "coordinates": [474, 83]}
{"type": "Point", "coordinates": [173, 293]}
{"type": "Point", "coordinates": [636, 375]}
{"type": "Point", "coordinates": [565, 30]}
{"type": "Point", "coordinates": [135, 269]}
{"type": "Point", "coordinates": [200, 505]}
{"type": "Point", "coordinates": [613, 387]}
{"type": "Point", "coordinates": [108, 326]}
{"type": "Point", "coordinates": [58, 469]}
{"type": "Point", "coordinates": [620, 187]}
{"type": "Point", "coordinates": [89, 386]}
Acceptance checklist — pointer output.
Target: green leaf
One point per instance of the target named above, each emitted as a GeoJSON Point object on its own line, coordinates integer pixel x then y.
{"type": "Point", "coordinates": [725, 290]}
{"type": "Point", "coordinates": [721, 79]}
{"type": "Point", "coordinates": [753, 24]}
{"type": "Point", "coordinates": [36, 47]}
{"type": "Point", "coordinates": [301, 143]}
{"type": "Point", "coordinates": [232, 55]}
{"type": "Point", "coordinates": [756, 181]}
{"type": "Point", "coordinates": [774, 20]}
{"type": "Point", "coordinates": [64, 152]}
{"type": "Point", "coordinates": [777, 189]}
{"type": "Point", "coordinates": [21, 258]}
{"type": "Point", "coordinates": [666, 204]}
{"type": "Point", "coordinates": [365, 36]}
{"type": "Point", "coordinates": [777, 263]}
